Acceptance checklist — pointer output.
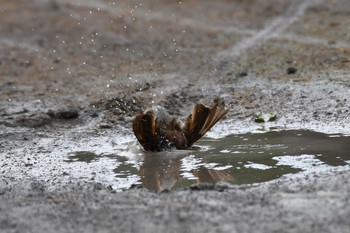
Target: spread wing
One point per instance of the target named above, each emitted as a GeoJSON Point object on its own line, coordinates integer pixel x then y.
{"type": "Point", "coordinates": [201, 120]}
{"type": "Point", "coordinates": [146, 130]}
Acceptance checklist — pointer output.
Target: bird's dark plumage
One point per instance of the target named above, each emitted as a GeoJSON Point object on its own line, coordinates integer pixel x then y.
{"type": "Point", "coordinates": [156, 130]}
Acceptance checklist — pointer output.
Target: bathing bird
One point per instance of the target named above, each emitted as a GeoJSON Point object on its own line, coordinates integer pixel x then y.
{"type": "Point", "coordinates": [156, 130]}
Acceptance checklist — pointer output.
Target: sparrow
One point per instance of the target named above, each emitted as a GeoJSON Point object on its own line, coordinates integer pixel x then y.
{"type": "Point", "coordinates": [156, 130]}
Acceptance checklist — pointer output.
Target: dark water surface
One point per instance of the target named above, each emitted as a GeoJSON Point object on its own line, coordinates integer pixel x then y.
{"type": "Point", "coordinates": [239, 159]}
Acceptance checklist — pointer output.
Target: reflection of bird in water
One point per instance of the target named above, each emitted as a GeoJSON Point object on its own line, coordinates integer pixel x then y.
{"type": "Point", "coordinates": [162, 172]}
{"type": "Point", "coordinates": [212, 176]}
{"type": "Point", "coordinates": [156, 130]}
{"type": "Point", "coordinates": [159, 172]}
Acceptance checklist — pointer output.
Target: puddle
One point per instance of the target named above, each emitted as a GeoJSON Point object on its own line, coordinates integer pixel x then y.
{"type": "Point", "coordinates": [239, 159]}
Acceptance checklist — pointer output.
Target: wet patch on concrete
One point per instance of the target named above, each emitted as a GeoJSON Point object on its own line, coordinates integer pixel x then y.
{"type": "Point", "coordinates": [238, 159]}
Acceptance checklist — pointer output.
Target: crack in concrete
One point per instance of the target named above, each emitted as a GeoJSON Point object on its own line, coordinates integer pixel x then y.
{"type": "Point", "coordinates": [278, 25]}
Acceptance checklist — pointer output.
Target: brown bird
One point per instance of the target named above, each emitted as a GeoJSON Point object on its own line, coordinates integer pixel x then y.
{"type": "Point", "coordinates": [156, 130]}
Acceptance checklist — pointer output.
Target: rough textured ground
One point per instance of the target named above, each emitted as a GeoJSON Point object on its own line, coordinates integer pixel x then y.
{"type": "Point", "coordinates": [300, 204]}
{"type": "Point", "coordinates": [75, 72]}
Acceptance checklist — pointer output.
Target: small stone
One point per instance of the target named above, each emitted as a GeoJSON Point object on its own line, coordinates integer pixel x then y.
{"type": "Point", "coordinates": [69, 113]}
{"type": "Point", "coordinates": [64, 114]}
{"type": "Point", "coordinates": [106, 126]}
{"type": "Point", "coordinates": [291, 70]}
{"type": "Point", "coordinates": [241, 74]}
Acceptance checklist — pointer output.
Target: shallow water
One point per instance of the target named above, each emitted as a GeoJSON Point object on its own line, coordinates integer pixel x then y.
{"type": "Point", "coordinates": [239, 159]}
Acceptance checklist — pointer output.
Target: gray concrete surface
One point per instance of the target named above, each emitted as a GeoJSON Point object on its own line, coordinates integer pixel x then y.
{"type": "Point", "coordinates": [74, 73]}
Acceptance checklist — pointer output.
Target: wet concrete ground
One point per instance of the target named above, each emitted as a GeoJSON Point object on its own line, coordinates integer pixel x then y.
{"type": "Point", "coordinates": [74, 73]}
